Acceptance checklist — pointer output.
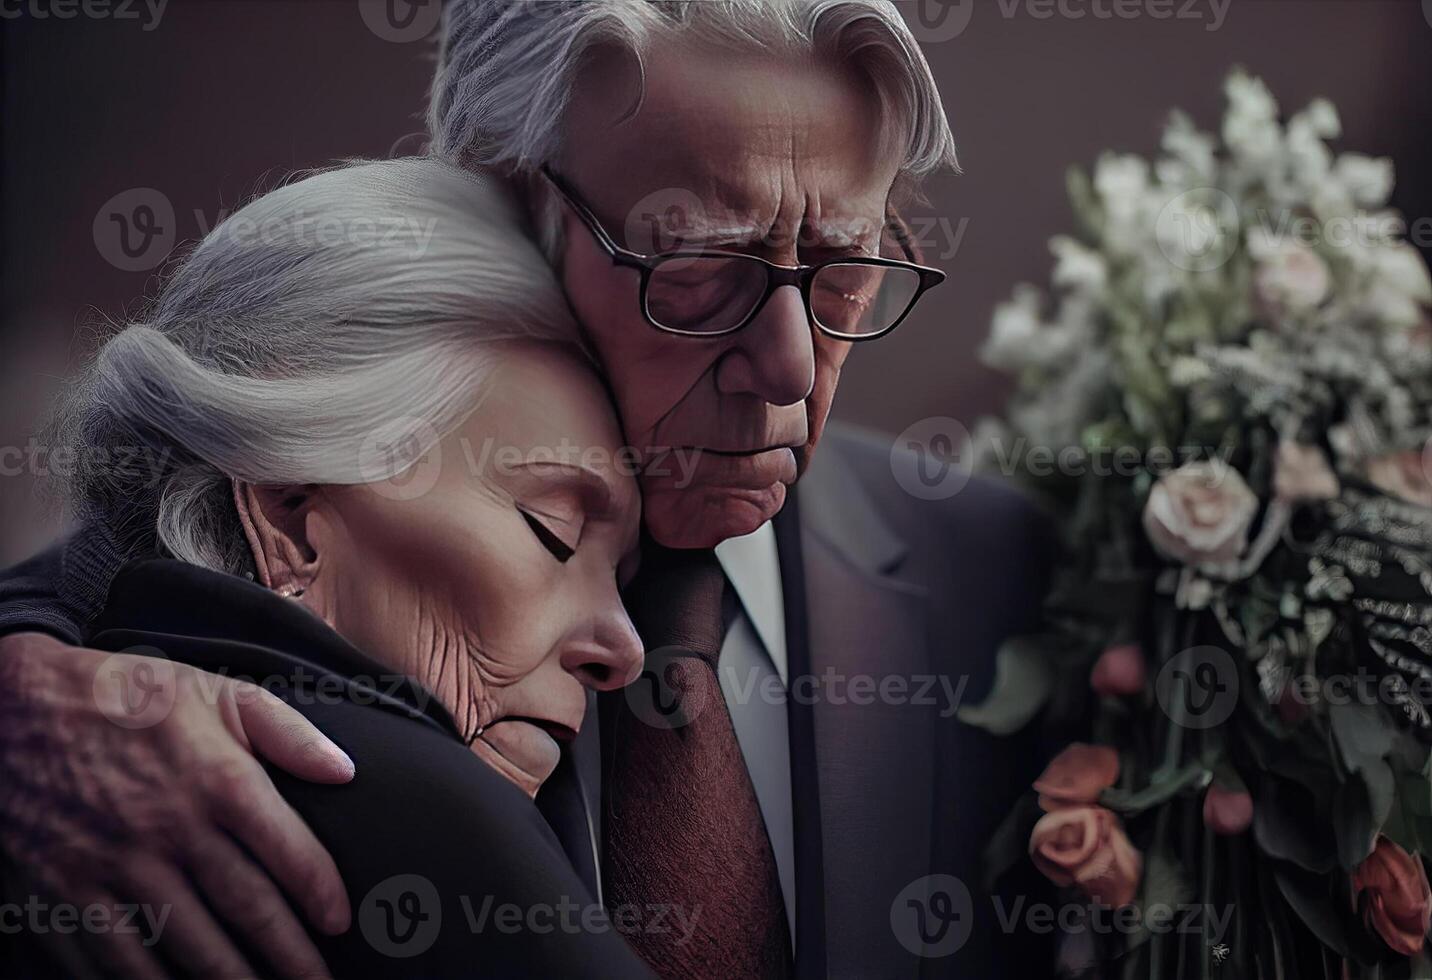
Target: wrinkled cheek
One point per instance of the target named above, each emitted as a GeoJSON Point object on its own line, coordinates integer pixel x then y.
{"type": "Point", "coordinates": [830, 357]}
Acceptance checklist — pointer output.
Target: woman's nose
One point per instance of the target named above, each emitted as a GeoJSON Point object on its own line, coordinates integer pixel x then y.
{"type": "Point", "coordinates": [611, 659]}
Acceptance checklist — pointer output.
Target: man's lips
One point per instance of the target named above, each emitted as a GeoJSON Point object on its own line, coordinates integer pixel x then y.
{"type": "Point", "coordinates": [756, 469]}
{"type": "Point", "coordinates": [698, 450]}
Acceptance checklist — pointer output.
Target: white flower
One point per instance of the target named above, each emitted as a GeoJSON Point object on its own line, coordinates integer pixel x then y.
{"type": "Point", "coordinates": [1197, 230]}
{"type": "Point", "coordinates": [1301, 472]}
{"type": "Point", "coordinates": [1120, 177]}
{"type": "Point", "coordinates": [1355, 440]}
{"type": "Point", "coordinates": [1122, 183]}
{"type": "Point", "coordinates": [1066, 403]}
{"type": "Point", "coordinates": [1077, 267]}
{"type": "Point", "coordinates": [1400, 267]}
{"type": "Point", "coordinates": [1249, 97]}
{"type": "Point", "coordinates": [1291, 277]}
{"type": "Point", "coordinates": [1321, 116]}
{"type": "Point", "coordinates": [1250, 128]}
{"type": "Point", "coordinates": [1013, 342]}
{"type": "Point", "coordinates": [1200, 514]}
{"type": "Point", "coordinates": [1189, 147]}
{"type": "Point", "coordinates": [1185, 372]}
{"type": "Point", "coordinates": [1308, 156]}
{"type": "Point", "coordinates": [1368, 180]}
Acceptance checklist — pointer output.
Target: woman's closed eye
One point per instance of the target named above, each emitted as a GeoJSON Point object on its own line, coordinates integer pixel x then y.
{"type": "Point", "coordinates": [560, 549]}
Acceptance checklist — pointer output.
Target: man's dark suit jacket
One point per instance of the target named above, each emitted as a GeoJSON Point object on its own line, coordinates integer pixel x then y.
{"type": "Point", "coordinates": [877, 584]}
{"type": "Point", "coordinates": [880, 584]}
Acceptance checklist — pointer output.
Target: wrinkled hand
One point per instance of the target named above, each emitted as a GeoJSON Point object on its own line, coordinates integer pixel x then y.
{"type": "Point", "coordinates": [126, 779]}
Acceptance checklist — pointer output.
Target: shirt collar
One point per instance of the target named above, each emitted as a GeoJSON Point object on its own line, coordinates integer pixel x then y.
{"type": "Point", "coordinates": [754, 571]}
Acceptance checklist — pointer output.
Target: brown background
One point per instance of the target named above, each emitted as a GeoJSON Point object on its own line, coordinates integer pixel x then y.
{"type": "Point", "coordinates": [223, 97]}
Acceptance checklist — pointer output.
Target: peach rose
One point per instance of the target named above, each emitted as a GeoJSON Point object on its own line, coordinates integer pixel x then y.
{"type": "Point", "coordinates": [1200, 513]}
{"type": "Point", "coordinates": [1077, 776]}
{"type": "Point", "coordinates": [1302, 473]}
{"type": "Point", "coordinates": [1406, 475]}
{"type": "Point", "coordinates": [1086, 847]}
{"type": "Point", "coordinates": [1119, 671]}
{"type": "Point", "coordinates": [1399, 904]}
{"type": "Point", "coordinates": [1291, 277]}
{"type": "Point", "coordinates": [1227, 811]}
{"type": "Point", "coordinates": [1422, 333]}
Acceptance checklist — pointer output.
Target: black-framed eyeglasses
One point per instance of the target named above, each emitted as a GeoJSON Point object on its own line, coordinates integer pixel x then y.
{"type": "Point", "coordinates": [713, 293]}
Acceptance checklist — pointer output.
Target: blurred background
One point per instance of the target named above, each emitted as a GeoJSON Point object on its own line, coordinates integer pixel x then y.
{"type": "Point", "coordinates": [138, 107]}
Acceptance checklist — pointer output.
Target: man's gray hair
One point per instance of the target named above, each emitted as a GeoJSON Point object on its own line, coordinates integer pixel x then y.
{"type": "Point", "coordinates": [326, 333]}
{"type": "Point", "coordinates": [507, 67]}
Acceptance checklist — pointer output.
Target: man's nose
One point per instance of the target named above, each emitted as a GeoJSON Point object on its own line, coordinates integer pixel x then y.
{"type": "Point", "coordinates": [774, 356]}
{"type": "Point", "coordinates": [613, 657]}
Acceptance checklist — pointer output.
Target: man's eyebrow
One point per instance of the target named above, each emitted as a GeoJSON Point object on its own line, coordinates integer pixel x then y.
{"type": "Point", "coordinates": [842, 232]}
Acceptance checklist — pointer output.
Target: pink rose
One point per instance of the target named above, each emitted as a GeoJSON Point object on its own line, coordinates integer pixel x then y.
{"type": "Point", "coordinates": [1087, 847]}
{"type": "Point", "coordinates": [1291, 277]}
{"type": "Point", "coordinates": [1398, 901]}
{"type": "Point", "coordinates": [1200, 514]}
{"type": "Point", "coordinates": [1119, 671]}
{"type": "Point", "coordinates": [1302, 472]}
{"type": "Point", "coordinates": [1422, 333]}
{"type": "Point", "coordinates": [1406, 475]}
{"type": "Point", "coordinates": [1227, 811]}
{"type": "Point", "coordinates": [1077, 776]}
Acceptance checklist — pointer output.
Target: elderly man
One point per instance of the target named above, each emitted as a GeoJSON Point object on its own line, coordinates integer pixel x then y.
{"type": "Point", "coordinates": [717, 184]}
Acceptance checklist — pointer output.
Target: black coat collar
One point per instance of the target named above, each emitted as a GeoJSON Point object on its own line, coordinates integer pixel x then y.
{"type": "Point", "coordinates": [284, 643]}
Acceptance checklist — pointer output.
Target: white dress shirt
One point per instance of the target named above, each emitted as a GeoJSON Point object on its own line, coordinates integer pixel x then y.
{"type": "Point", "coordinates": [755, 676]}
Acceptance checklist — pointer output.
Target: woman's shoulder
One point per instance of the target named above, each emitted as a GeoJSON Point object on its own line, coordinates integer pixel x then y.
{"type": "Point", "coordinates": [447, 864]}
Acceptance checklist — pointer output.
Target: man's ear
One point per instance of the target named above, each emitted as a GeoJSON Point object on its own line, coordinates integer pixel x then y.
{"type": "Point", "coordinates": [275, 520]}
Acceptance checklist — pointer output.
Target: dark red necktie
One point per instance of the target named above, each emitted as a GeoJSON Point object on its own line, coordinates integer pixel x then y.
{"type": "Point", "coordinates": [683, 827]}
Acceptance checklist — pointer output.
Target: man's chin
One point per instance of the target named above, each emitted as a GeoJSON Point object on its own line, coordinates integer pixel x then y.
{"type": "Point", "coordinates": [703, 517]}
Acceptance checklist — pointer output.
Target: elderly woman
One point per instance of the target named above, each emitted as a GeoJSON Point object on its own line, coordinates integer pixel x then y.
{"type": "Point", "coordinates": [391, 494]}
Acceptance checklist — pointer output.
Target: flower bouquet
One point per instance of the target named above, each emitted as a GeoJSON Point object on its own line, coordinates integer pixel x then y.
{"type": "Point", "coordinates": [1227, 398]}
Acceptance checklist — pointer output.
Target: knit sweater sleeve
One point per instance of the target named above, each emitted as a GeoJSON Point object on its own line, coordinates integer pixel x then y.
{"type": "Point", "coordinates": [60, 590]}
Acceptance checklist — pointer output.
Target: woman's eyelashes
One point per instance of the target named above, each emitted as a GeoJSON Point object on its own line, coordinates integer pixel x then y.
{"type": "Point", "coordinates": [560, 549]}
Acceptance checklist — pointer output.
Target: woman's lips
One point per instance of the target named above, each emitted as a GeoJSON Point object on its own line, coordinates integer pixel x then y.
{"type": "Point", "coordinates": [525, 744]}
{"type": "Point", "coordinates": [559, 731]}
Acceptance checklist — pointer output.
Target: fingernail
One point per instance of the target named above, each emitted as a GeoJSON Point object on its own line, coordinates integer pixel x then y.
{"type": "Point", "coordinates": [337, 919]}
{"type": "Point", "coordinates": [348, 767]}
{"type": "Point", "coordinates": [332, 753]}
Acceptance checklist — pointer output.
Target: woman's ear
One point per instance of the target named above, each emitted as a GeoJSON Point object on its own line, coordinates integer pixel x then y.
{"type": "Point", "coordinates": [275, 520]}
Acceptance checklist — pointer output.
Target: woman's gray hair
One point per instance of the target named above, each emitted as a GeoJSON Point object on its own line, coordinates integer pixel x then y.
{"type": "Point", "coordinates": [326, 333]}
{"type": "Point", "coordinates": [507, 67]}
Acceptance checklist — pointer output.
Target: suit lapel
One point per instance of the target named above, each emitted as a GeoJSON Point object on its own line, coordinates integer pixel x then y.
{"type": "Point", "coordinates": [873, 754]}
{"type": "Point", "coordinates": [810, 934]}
